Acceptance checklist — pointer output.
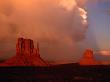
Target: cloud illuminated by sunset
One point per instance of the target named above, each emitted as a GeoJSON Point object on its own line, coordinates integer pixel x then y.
{"type": "Point", "coordinates": [71, 4]}
{"type": "Point", "coordinates": [103, 52]}
{"type": "Point", "coordinates": [56, 24]}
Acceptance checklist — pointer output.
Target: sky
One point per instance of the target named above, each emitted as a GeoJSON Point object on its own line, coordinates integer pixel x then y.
{"type": "Point", "coordinates": [63, 28]}
{"type": "Point", "coordinates": [99, 28]}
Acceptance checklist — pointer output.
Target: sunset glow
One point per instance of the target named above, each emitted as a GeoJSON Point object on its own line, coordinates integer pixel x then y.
{"type": "Point", "coordinates": [83, 14]}
{"type": "Point", "coordinates": [58, 25]}
{"type": "Point", "coordinates": [55, 40]}
{"type": "Point", "coordinates": [104, 52]}
{"type": "Point", "coordinates": [71, 4]}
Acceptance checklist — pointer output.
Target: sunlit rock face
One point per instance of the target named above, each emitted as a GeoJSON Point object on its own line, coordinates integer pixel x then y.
{"type": "Point", "coordinates": [26, 55]}
{"type": "Point", "coordinates": [88, 58]}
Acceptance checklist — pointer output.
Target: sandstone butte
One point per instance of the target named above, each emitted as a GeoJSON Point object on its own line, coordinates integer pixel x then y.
{"type": "Point", "coordinates": [26, 55]}
{"type": "Point", "coordinates": [89, 59]}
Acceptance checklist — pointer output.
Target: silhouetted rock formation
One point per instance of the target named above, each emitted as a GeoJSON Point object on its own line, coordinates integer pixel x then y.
{"type": "Point", "coordinates": [88, 58]}
{"type": "Point", "coordinates": [26, 55]}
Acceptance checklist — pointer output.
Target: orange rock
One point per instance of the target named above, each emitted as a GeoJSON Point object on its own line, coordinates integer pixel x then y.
{"type": "Point", "coordinates": [88, 58]}
{"type": "Point", "coordinates": [26, 55]}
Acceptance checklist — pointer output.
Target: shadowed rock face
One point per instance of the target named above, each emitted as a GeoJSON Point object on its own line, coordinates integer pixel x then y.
{"type": "Point", "coordinates": [26, 55]}
{"type": "Point", "coordinates": [88, 58]}
{"type": "Point", "coordinates": [24, 46]}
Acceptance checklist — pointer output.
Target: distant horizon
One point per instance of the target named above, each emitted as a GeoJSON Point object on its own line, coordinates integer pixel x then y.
{"type": "Point", "coordinates": [105, 62]}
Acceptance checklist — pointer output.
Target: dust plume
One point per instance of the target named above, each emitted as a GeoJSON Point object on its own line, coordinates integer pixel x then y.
{"type": "Point", "coordinates": [58, 25]}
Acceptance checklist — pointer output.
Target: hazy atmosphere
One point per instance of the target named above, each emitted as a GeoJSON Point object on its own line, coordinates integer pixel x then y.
{"type": "Point", "coordinates": [63, 28]}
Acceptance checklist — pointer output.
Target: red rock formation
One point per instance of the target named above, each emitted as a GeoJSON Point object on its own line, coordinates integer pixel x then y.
{"type": "Point", "coordinates": [26, 55]}
{"type": "Point", "coordinates": [88, 58]}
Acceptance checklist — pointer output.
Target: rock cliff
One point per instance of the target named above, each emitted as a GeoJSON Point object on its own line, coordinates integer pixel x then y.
{"type": "Point", "coordinates": [88, 58]}
{"type": "Point", "coordinates": [26, 55]}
